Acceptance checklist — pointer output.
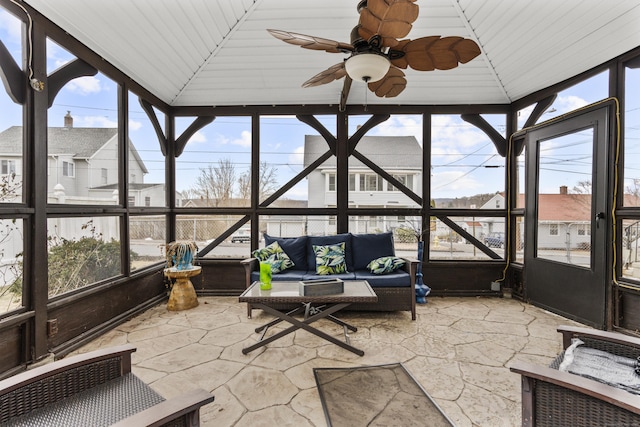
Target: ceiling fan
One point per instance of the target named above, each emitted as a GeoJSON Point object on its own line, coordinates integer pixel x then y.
{"type": "Point", "coordinates": [376, 54]}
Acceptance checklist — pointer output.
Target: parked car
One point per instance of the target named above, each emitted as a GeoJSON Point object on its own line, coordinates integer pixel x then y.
{"type": "Point", "coordinates": [242, 235]}
{"type": "Point", "coordinates": [495, 240]}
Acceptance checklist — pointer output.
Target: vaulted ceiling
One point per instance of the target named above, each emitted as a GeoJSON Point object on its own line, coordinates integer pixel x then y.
{"type": "Point", "coordinates": [218, 52]}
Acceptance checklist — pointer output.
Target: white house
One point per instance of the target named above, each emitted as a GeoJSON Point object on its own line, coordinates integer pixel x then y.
{"type": "Point", "coordinates": [401, 156]}
{"type": "Point", "coordinates": [82, 165]}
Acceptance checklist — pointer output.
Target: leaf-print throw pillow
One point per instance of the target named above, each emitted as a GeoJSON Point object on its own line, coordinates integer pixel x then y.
{"type": "Point", "coordinates": [274, 255]}
{"type": "Point", "coordinates": [330, 259]}
{"type": "Point", "coordinates": [385, 264]}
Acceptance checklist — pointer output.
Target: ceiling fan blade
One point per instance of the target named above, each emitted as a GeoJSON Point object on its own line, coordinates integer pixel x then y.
{"type": "Point", "coordinates": [433, 53]}
{"type": "Point", "coordinates": [312, 42]}
{"type": "Point", "coordinates": [391, 19]}
{"type": "Point", "coordinates": [332, 73]}
{"type": "Point", "coordinates": [391, 85]}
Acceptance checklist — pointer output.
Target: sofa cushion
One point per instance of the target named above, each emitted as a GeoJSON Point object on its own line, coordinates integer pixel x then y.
{"type": "Point", "coordinates": [385, 264]}
{"type": "Point", "coordinates": [274, 256]}
{"type": "Point", "coordinates": [284, 276]}
{"type": "Point", "coordinates": [396, 279]}
{"type": "Point", "coordinates": [330, 259]}
{"type": "Point", "coordinates": [311, 275]}
{"type": "Point", "coordinates": [329, 240]}
{"type": "Point", "coordinates": [367, 247]}
{"type": "Point", "coordinates": [294, 247]}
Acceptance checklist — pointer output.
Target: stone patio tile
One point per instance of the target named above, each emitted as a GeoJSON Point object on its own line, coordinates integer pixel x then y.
{"type": "Point", "coordinates": [497, 380]}
{"type": "Point", "coordinates": [459, 349]}
{"type": "Point", "coordinates": [206, 321]}
{"type": "Point", "coordinates": [207, 376]}
{"type": "Point", "coordinates": [467, 308]}
{"type": "Point", "coordinates": [228, 335]}
{"type": "Point", "coordinates": [183, 358]}
{"type": "Point", "coordinates": [307, 403]}
{"type": "Point", "coordinates": [455, 414]}
{"type": "Point", "coordinates": [483, 326]}
{"type": "Point", "coordinates": [302, 375]}
{"type": "Point", "coordinates": [484, 353]}
{"type": "Point", "coordinates": [142, 334]}
{"type": "Point", "coordinates": [441, 378]}
{"type": "Point", "coordinates": [283, 358]}
{"type": "Point", "coordinates": [155, 346]}
{"type": "Point", "coordinates": [259, 388]}
{"type": "Point", "coordinates": [280, 416]}
{"type": "Point", "coordinates": [488, 409]}
{"type": "Point", "coordinates": [225, 410]}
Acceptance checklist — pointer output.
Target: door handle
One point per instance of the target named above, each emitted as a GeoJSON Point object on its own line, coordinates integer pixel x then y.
{"type": "Point", "coordinates": [599, 216]}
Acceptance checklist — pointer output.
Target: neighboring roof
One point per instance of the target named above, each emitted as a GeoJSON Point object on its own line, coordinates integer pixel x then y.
{"type": "Point", "coordinates": [78, 142]}
{"type": "Point", "coordinates": [132, 186]}
{"type": "Point", "coordinates": [218, 52]}
{"type": "Point", "coordinates": [284, 203]}
{"type": "Point", "coordinates": [389, 152]}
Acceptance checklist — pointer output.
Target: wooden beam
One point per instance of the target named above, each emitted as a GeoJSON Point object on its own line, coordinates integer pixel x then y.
{"type": "Point", "coordinates": [197, 124]}
{"type": "Point", "coordinates": [63, 75]}
{"type": "Point", "coordinates": [498, 140]}
{"type": "Point", "coordinates": [373, 121]}
{"type": "Point", "coordinates": [13, 78]}
{"type": "Point", "coordinates": [153, 118]}
{"type": "Point", "coordinates": [293, 181]}
{"type": "Point", "coordinates": [315, 124]}
{"type": "Point", "coordinates": [384, 174]}
{"type": "Point", "coordinates": [540, 108]}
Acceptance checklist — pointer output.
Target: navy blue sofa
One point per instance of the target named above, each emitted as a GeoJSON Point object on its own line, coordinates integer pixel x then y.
{"type": "Point", "coordinates": [395, 290]}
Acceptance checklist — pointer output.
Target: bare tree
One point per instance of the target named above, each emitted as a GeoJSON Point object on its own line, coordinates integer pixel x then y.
{"type": "Point", "coordinates": [215, 182]}
{"type": "Point", "coordinates": [268, 180]}
{"type": "Point", "coordinates": [219, 183]}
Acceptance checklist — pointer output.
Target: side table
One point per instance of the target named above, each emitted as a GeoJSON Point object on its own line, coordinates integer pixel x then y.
{"type": "Point", "coordinates": [183, 295]}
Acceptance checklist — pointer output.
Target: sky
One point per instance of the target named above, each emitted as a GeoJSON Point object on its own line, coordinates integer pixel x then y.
{"type": "Point", "coordinates": [464, 161]}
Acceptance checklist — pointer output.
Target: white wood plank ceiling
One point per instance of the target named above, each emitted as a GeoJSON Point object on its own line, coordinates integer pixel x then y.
{"type": "Point", "coordinates": [218, 52]}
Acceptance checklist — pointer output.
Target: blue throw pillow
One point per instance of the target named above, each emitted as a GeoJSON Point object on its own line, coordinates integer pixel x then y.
{"type": "Point", "coordinates": [370, 246]}
{"type": "Point", "coordinates": [333, 239]}
{"type": "Point", "coordinates": [275, 256]}
{"type": "Point", "coordinates": [295, 248]}
{"type": "Point", "coordinates": [385, 264]}
{"type": "Point", "coordinates": [330, 259]}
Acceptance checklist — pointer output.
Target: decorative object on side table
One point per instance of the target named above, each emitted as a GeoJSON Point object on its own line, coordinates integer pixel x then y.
{"type": "Point", "coordinates": [422, 290]}
{"type": "Point", "coordinates": [180, 258]}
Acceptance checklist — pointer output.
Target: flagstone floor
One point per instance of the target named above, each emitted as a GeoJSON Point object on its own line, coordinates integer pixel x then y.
{"type": "Point", "coordinates": [459, 349]}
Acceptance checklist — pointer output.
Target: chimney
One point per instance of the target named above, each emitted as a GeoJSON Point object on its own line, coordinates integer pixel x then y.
{"type": "Point", "coordinates": [68, 120]}
{"type": "Point", "coordinates": [563, 190]}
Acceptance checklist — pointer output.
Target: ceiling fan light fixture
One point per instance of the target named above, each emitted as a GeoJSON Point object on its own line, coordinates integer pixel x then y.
{"type": "Point", "coordinates": [367, 67]}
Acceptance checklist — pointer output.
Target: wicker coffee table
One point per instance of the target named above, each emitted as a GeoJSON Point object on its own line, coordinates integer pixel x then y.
{"type": "Point", "coordinates": [313, 307]}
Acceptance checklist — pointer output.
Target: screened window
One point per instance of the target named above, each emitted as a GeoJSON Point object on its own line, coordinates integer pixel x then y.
{"type": "Point", "coordinates": [68, 169]}
{"type": "Point", "coordinates": [332, 182]}
{"type": "Point", "coordinates": [370, 182]}
{"type": "Point", "coordinates": [8, 167]}
{"type": "Point", "coordinates": [553, 229]}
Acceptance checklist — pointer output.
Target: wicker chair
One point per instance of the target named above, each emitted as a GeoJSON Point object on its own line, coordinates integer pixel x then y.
{"type": "Point", "coordinates": [554, 398]}
{"type": "Point", "coordinates": [96, 389]}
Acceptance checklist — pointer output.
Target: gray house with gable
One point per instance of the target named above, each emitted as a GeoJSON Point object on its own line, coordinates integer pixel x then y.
{"type": "Point", "coordinates": [401, 156]}
{"type": "Point", "coordinates": [82, 165]}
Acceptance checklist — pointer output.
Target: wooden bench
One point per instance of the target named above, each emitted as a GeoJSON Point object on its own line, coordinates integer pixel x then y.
{"type": "Point", "coordinates": [97, 389]}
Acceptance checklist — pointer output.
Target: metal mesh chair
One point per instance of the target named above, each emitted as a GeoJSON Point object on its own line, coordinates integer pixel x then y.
{"type": "Point", "coordinates": [97, 389]}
